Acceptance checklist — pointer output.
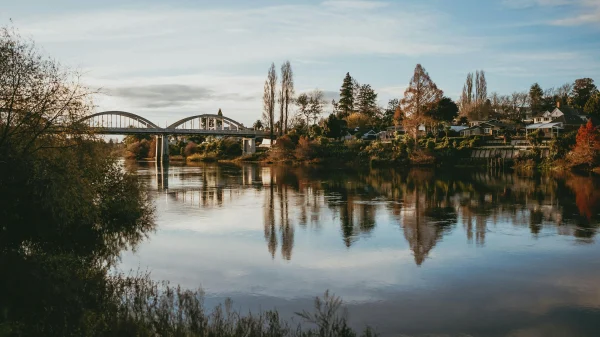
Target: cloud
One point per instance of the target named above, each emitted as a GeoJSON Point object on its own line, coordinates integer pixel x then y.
{"type": "Point", "coordinates": [354, 4]}
{"type": "Point", "coordinates": [589, 13]}
{"type": "Point", "coordinates": [520, 4]}
{"type": "Point", "coordinates": [584, 11]}
{"type": "Point", "coordinates": [170, 95]}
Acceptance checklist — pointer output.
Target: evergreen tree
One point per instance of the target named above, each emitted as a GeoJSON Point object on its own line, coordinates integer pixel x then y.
{"type": "Point", "coordinates": [367, 100]}
{"type": "Point", "coordinates": [592, 107]}
{"type": "Point", "coordinates": [536, 95]}
{"type": "Point", "coordinates": [346, 102]}
{"type": "Point", "coordinates": [583, 89]}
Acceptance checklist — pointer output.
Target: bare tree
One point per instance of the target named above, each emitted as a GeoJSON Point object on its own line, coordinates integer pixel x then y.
{"type": "Point", "coordinates": [480, 91]}
{"type": "Point", "coordinates": [269, 99]}
{"type": "Point", "coordinates": [286, 95]}
{"type": "Point", "coordinates": [37, 97]}
{"type": "Point", "coordinates": [421, 96]}
{"type": "Point", "coordinates": [355, 93]}
{"type": "Point", "coordinates": [310, 105]}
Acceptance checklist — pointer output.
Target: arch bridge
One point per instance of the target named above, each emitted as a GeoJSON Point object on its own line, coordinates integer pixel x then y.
{"type": "Point", "coordinates": [127, 123]}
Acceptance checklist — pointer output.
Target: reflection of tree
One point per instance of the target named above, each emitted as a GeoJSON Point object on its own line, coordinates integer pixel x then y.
{"type": "Point", "coordinates": [426, 204]}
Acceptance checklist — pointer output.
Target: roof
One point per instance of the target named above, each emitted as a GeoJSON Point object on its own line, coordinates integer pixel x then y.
{"type": "Point", "coordinates": [458, 128]}
{"type": "Point", "coordinates": [551, 125]}
{"type": "Point", "coordinates": [569, 119]}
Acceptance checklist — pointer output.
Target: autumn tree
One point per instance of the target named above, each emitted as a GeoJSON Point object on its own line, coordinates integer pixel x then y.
{"type": "Point", "coordinates": [420, 97]}
{"type": "Point", "coordinates": [286, 95]}
{"type": "Point", "coordinates": [310, 105]}
{"type": "Point", "coordinates": [466, 99]}
{"type": "Point", "coordinates": [346, 102]}
{"type": "Point", "coordinates": [587, 147]}
{"type": "Point", "coordinates": [269, 99]}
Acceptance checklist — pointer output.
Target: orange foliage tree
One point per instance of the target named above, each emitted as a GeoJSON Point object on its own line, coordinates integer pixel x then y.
{"type": "Point", "coordinates": [421, 96]}
{"type": "Point", "coordinates": [587, 147]}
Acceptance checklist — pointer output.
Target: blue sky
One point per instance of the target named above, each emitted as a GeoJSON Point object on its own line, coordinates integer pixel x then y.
{"type": "Point", "coordinates": [168, 60]}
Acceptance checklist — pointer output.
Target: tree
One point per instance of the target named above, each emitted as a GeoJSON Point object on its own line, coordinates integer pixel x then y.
{"type": "Point", "coordinates": [592, 107]}
{"type": "Point", "coordinates": [358, 120]}
{"type": "Point", "coordinates": [367, 100]}
{"type": "Point", "coordinates": [346, 102]}
{"type": "Point", "coordinates": [269, 99]}
{"type": "Point", "coordinates": [219, 122]}
{"type": "Point", "coordinates": [334, 127]}
{"type": "Point", "coordinates": [587, 147]}
{"type": "Point", "coordinates": [583, 89]}
{"type": "Point", "coordinates": [316, 102]}
{"type": "Point", "coordinates": [466, 99]}
{"type": "Point", "coordinates": [480, 93]}
{"type": "Point", "coordinates": [389, 112]}
{"type": "Point", "coordinates": [536, 95]}
{"type": "Point", "coordinates": [444, 111]}
{"type": "Point", "coordinates": [303, 101]}
{"type": "Point", "coordinates": [286, 95]}
{"type": "Point", "coordinates": [258, 125]}
{"type": "Point", "coordinates": [355, 93]}
{"type": "Point", "coordinates": [420, 97]}
{"type": "Point", "coordinates": [68, 207]}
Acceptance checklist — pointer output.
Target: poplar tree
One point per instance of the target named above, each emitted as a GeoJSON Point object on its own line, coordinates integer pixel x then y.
{"type": "Point", "coordinates": [269, 99]}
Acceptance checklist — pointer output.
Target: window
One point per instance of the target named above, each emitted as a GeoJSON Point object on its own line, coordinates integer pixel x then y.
{"type": "Point", "coordinates": [487, 130]}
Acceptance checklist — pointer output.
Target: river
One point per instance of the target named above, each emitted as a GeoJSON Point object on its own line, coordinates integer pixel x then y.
{"type": "Point", "coordinates": [414, 252]}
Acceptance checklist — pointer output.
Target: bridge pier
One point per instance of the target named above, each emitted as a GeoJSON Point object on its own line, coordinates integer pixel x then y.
{"type": "Point", "coordinates": [249, 145]}
{"type": "Point", "coordinates": [162, 148]}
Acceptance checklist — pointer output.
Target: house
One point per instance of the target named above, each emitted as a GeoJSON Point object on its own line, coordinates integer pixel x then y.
{"type": "Point", "coordinates": [475, 123]}
{"type": "Point", "coordinates": [370, 135]}
{"type": "Point", "coordinates": [547, 130]}
{"type": "Point", "coordinates": [493, 127]}
{"type": "Point", "coordinates": [390, 132]}
{"type": "Point", "coordinates": [569, 118]}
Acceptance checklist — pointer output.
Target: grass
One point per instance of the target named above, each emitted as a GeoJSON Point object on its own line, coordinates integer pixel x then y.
{"type": "Point", "coordinates": [152, 309]}
{"type": "Point", "coordinates": [209, 157]}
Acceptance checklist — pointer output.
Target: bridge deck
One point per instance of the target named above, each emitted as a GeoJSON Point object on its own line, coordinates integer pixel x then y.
{"type": "Point", "coordinates": [168, 131]}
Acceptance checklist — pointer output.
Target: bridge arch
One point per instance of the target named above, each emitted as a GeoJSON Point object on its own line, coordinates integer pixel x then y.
{"type": "Point", "coordinates": [224, 119]}
{"type": "Point", "coordinates": [126, 114]}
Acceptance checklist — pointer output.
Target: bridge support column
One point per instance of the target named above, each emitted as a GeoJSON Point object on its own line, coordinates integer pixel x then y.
{"type": "Point", "coordinates": [249, 145]}
{"type": "Point", "coordinates": [162, 148]}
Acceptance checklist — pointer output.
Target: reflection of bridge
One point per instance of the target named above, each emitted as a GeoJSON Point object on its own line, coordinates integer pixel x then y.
{"type": "Point", "coordinates": [127, 123]}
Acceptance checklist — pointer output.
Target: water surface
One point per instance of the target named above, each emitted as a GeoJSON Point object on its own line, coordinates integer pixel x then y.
{"type": "Point", "coordinates": [412, 253]}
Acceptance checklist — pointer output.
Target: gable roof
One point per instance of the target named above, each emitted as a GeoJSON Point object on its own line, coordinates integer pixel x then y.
{"type": "Point", "coordinates": [569, 119]}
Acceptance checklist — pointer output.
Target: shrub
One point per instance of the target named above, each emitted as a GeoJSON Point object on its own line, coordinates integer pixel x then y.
{"type": "Point", "coordinates": [190, 149]}
{"type": "Point", "coordinates": [305, 150]}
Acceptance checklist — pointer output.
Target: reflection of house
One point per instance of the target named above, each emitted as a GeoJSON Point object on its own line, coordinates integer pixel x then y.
{"type": "Point", "coordinates": [492, 127]}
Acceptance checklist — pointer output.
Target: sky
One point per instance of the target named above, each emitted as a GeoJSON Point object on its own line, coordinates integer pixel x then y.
{"type": "Point", "coordinates": [169, 60]}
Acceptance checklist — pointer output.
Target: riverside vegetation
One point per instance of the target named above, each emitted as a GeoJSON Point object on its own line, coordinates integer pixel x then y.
{"type": "Point", "coordinates": [69, 209]}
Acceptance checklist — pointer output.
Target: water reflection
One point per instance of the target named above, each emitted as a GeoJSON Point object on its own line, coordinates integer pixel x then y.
{"type": "Point", "coordinates": [426, 205]}
{"type": "Point", "coordinates": [412, 251]}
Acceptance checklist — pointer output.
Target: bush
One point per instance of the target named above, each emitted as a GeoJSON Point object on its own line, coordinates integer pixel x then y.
{"type": "Point", "coordinates": [305, 150]}
{"type": "Point", "coordinates": [190, 149]}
